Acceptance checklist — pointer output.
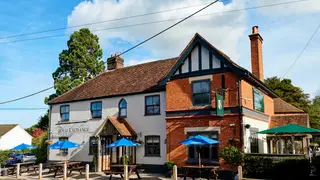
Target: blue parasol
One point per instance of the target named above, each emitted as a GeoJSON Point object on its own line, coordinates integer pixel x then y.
{"type": "Point", "coordinates": [64, 145]}
{"type": "Point", "coordinates": [22, 146]}
{"type": "Point", "coordinates": [123, 142]}
{"type": "Point", "coordinates": [199, 140]}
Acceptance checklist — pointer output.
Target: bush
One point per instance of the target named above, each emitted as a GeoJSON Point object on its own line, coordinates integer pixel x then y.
{"type": "Point", "coordinates": [232, 156]}
{"type": "Point", "coordinates": [273, 167]}
{"type": "Point", "coordinates": [4, 155]}
{"type": "Point", "coordinates": [41, 148]}
{"type": "Point", "coordinates": [169, 165]}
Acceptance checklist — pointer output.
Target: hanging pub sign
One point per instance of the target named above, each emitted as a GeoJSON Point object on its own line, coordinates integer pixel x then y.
{"type": "Point", "coordinates": [219, 104]}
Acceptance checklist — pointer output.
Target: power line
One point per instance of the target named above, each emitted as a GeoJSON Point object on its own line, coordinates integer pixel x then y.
{"type": "Point", "coordinates": [175, 24]}
{"type": "Point", "coordinates": [100, 22]}
{"type": "Point", "coordinates": [154, 22]}
{"type": "Point", "coordinates": [23, 109]}
{"type": "Point", "coordinates": [23, 97]}
{"type": "Point", "coordinates": [305, 47]}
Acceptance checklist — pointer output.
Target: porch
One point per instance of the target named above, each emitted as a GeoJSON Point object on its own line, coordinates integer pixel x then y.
{"type": "Point", "coordinates": [111, 130]}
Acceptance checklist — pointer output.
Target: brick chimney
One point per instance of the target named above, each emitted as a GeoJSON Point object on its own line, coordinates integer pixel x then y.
{"type": "Point", "coordinates": [114, 62]}
{"type": "Point", "coordinates": [256, 53]}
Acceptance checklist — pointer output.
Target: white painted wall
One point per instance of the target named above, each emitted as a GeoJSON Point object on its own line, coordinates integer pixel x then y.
{"type": "Point", "coordinates": [80, 111]}
{"type": "Point", "coordinates": [185, 66]}
{"type": "Point", "coordinates": [14, 137]}
{"type": "Point", "coordinates": [260, 125]}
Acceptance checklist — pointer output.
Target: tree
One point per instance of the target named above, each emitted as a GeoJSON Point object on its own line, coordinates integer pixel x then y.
{"type": "Point", "coordinates": [314, 113]}
{"type": "Point", "coordinates": [41, 147]}
{"type": "Point", "coordinates": [288, 92]}
{"type": "Point", "coordinates": [80, 62]}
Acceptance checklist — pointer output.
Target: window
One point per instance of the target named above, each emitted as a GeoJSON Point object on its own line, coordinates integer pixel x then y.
{"type": "Point", "coordinates": [152, 105]}
{"type": "Point", "coordinates": [201, 93]}
{"type": "Point", "coordinates": [152, 146]}
{"type": "Point", "coordinates": [64, 112]}
{"type": "Point", "coordinates": [96, 109]}
{"type": "Point", "coordinates": [258, 100]}
{"type": "Point", "coordinates": [123, 108]}
{"type": "Point", "coordinates": [93, 145]}
{"type": "Point", "coordinates": [208, 153]}
{"type": "Point", "coordinates": [63, 152]}
{"type": "Point", "coordinates": [254, 140]}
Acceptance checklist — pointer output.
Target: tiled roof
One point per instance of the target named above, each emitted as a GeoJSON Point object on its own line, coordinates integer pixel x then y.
{"type": "Point", "coordinates": [127, 80]}
{"type": "Point", "coordinates": [4, 128]}
{"type": "Point", "coordinates": [280, 106]}
{"type": "Point", "coordinates": [122, 126]}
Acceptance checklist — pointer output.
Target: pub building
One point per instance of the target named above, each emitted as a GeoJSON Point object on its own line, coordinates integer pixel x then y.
{"type": "Point", "coordinates": [158, 104]}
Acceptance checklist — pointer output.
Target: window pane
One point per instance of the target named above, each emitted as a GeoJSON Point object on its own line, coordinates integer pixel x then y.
{"type": "Point", "coordinates": [156, 139]}
{"type": "Point", "coordinates": [196, 87]}
{"type": "Point", "coordinates": [205, 98]}
{"type": "Point", "coordinates": [123, 104]}
{"type": "Point", "coordinates": [149, 100]}
{"type": "Point", "coordinates": [99, 105]}
{"type": "Point", "coordinates": [150, 110]}
{"type": "Point", "coordinates": [156, 109]}
{"type": "Point", "coordinates": [191, 152]}
{"type": "Point", "coordinates": [156, 100]}
{"type": "Point", "coordinates": [93, 106]}
{"type": "Point", "coordinates": [197, 99]}
{"type": "Point", "coordinates": [205, 87]}
{"type": "Point", "coordinates": [123, 112]}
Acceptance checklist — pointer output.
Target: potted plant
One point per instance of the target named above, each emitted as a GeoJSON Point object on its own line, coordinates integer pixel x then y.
{"type": "Point", "coordinates": [169, 167]}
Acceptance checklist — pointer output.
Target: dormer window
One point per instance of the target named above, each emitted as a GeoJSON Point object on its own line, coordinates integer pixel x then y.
{"type": "Point", "coordinates": [96, 109]}
{"type": "Point", "coordinates": [123, 108]}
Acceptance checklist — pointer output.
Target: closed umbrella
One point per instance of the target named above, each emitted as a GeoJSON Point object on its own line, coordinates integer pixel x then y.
{"type": "Point", "coordinates": [199, 140]}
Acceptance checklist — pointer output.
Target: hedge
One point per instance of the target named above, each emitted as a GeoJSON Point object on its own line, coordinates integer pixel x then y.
{"type": "Point", "coordinates": [270, 167]}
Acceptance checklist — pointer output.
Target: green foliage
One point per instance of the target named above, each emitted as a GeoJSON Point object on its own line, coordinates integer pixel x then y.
{"type": "Point", "coordinates": [169, 164]}
{"type": "Point", "coordinates": [232, 155]}
{"type": "Point", "coordinates": [79, 63]}
{"type": "Point", "coordinates": [288, 92]}
{"type": "Point", "coordinates": [4, 155]}
{"type": "Point", "coordinates": [272, 167]}
{"type": "Point", "coordinates": [41, 150]}
{"type": "Point", "coordinates": [314, 113]}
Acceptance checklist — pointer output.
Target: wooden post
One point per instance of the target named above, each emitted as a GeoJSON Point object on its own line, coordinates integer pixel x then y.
{"type": "Point", "coordinates": [18, 170]}
{"type": "Point", "coordinates": [125, 173]}
{"type": "Point", "coordinates": [240, 175]}
{"type": "Point", "coordinates": [40, 171]}
{"type": "Point", "coordinates": [108, 162]}
{"type": "Point", "coordinates": [65, 171]}
{"type": "Point", "coordinates": [175, 173]}
{"type": "Point", "coordinates": [87, 171]}
{"type": "Point", "coordinates": [99, 154]}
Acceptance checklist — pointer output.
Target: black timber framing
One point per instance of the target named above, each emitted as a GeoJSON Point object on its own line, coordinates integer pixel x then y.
{"type": "Point", "coordinates": [201, 112]}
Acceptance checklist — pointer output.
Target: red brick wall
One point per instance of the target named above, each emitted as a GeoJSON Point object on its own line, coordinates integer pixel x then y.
{"type": "Point", "coordinates": [176, 133]}
{"type": "Point", "coordinates": [283, 119]}
{"type": "Point", "coordinates": [179, 92]}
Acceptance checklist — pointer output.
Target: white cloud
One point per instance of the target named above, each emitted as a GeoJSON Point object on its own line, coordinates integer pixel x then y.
{"type": "Point", "coordinates": [222, 30]}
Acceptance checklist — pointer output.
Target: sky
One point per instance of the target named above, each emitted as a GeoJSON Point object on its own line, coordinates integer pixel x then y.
{"type": "Point", "coordinates": [27, 66]}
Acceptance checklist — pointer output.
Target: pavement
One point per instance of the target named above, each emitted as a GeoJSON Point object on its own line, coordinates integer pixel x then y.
{"type": "Point", "coordinates": [76, 175]}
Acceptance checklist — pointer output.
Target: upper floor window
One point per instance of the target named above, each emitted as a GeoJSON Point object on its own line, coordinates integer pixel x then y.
{"type": "Point", "coordinates": [64, 112]}
{"type": "Point", "coordinates": [96, 109]}
{"type": "Point", "coordinates": [258, 100]}
{"type": "Point", "coordinates": [123, 108]}
{"type": "Point", "coordinates": [152, 105]}
{"type": "Point", "coordinates": [201, 93]}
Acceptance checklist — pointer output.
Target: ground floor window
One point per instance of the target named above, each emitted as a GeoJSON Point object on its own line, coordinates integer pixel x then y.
{"type": "Point", "coordinates": [152, 146]}
{"type": "Point", "coordinates": [93, 145]}
{"type": "Point", "coordinates": [63, 152]}
{"type": "Point", "coordinates": [254, 140]}
{"type": "Point", "coordinates": [208, 153]}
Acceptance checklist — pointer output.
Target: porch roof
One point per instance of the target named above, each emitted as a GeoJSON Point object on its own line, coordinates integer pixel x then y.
{"type": "Point", "coordinates": [120, 124]}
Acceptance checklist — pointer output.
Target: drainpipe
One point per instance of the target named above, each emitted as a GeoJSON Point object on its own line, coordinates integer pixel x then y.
{"type": "Point", "coordinates": [240, 115]}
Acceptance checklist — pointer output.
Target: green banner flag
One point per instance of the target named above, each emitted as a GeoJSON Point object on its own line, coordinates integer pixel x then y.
{"type": "Point", "coordinates": [219, 104]}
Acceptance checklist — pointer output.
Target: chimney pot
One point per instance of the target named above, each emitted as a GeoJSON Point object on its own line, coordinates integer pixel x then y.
{"type": "Point", "coordinates": [255, 29]}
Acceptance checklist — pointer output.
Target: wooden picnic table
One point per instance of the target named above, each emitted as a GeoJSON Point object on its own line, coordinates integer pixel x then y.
{"type": "Point", "coordinates": [25, 165]}
{"type": "Point", "coordinates": [207, 172]}
{"type": "Point", "coordinates": [74, 165]}
{"type": "Point", "coordinates": [118, 169]}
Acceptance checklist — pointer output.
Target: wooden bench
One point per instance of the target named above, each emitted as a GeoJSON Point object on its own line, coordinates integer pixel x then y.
{"type": "Point", "coordinates": [111, 173]}
{"type": "Point", "coordinates": [77, 168]}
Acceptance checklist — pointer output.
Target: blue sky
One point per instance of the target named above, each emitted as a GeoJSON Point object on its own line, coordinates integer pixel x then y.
{"type": "Point", "coordinates": [27, 66]}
